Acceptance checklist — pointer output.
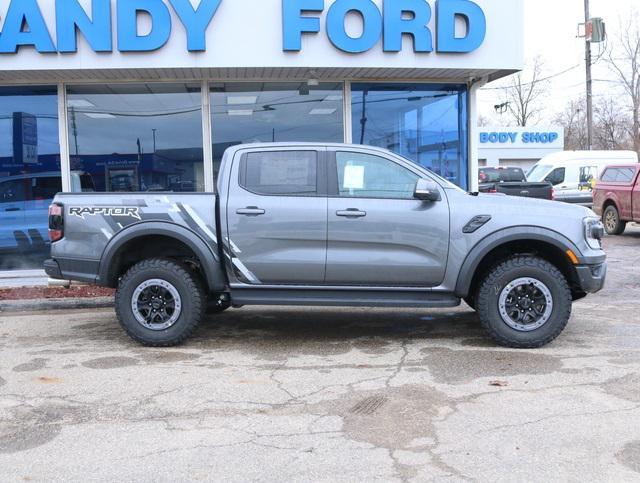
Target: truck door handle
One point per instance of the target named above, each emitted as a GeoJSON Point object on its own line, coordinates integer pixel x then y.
{"type": "Point", "coordinates": [250, 211]}
{"type": "Point", "coordinates": [12, 209]}
{"type": "Point", "coordinates": [352, 213]}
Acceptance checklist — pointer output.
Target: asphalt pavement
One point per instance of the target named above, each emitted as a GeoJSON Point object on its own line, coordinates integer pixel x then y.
{"type": "Point", "coordinates": [296, 394]}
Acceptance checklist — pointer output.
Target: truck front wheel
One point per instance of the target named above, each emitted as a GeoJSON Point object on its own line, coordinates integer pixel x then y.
{"type": "Point", "coordinates": [159, 302]}
{"type": "Point", "coordinates": [524, 302]}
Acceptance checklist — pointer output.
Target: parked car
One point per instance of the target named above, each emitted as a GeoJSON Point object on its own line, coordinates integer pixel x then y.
{"type": "Point", "coordinates": [24, 203]}
{"type": "Point", "coordinates": [329, 224]}
{"type": "Point", "coordinates": [617, 197]}
{"type": "Point", "coordinates": [572, 173]}
{"type": "Point", "coordinates": [512, 182]}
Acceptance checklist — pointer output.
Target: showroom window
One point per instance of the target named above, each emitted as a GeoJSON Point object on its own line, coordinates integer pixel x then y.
{"type": "Point", "coordinates": [29, 173]}
{"type": "Point", "coordinates": [136, 137]}
{"type": "Point", "coordinates": [426, 123]}
{"type": "Point", "coordinates": [275, 112]}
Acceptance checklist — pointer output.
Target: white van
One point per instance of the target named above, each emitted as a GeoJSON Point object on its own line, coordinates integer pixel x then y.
{"type": "Point", "coordinates": [572, 173]}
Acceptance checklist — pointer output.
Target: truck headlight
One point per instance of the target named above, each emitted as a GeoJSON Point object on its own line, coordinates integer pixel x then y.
{"type": "Point", "coordinates": [593, 232]}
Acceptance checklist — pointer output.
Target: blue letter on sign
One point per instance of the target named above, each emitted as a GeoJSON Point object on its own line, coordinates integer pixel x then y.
{"type": "Point", "coordinates": [371, 22]}
{"type": "Point", "coordinates": [417, 26]}
{"type": "Point", "coordinates": [448, 11]}
{"type": "Point", "coordinates": [196, 21]}
{"type": "Point", "coordinates": [294, 24]}
{"type": "Point", "coordinates": [128, 38]}
{"type": "Point", "coordinates": [70, 15]}
{"type": "Point", "coordinates": [27, 14]}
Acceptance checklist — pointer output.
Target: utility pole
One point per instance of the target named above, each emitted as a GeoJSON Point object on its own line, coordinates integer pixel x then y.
{"type": "Point", "coordinates": [587, 19]}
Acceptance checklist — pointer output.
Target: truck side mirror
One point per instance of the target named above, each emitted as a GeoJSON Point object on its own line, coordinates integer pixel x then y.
{"type": "Point", "coordinates": [427, 190]}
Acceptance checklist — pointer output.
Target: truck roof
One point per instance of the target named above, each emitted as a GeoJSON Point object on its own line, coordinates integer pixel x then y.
{"type": "Point", "coordinates": [240, 147]}
{"type": "Point", "coordinates": [569, 157]}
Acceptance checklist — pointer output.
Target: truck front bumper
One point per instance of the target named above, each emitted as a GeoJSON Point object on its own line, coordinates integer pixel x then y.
{"type": "Point", "coordinates": [592, 277]}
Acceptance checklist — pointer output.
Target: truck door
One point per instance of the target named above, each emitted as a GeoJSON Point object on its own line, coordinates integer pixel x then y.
{"type": "Point", "coordinates": [379, 234]}
{"type": "Point", "coordinates": [635, 198]}
{"type": "Point", "coordinates": [277, 216]}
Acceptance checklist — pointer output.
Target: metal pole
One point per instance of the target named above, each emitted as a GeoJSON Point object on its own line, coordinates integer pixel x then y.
{"type": "Point", "coordinates": [589, 80]}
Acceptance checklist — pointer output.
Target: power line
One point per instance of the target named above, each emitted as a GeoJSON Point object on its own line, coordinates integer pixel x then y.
{"type": "Point", "coordinates": [553, 76]}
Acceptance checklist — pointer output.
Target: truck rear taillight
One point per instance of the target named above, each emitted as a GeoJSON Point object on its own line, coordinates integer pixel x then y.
{"type": "Point", "coordinates": [56, 222]}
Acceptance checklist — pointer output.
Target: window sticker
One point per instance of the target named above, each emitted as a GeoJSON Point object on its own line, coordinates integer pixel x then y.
{"type": "Point", "coordinates": [353, 177]}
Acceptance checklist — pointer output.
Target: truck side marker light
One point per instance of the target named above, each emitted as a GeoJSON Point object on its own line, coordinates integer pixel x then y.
{"type": "Point", "coordinates": [572, 257]}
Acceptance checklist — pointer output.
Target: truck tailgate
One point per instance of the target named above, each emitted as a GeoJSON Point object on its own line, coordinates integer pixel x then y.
{"type": "Point", "coordinates": [526, 190]}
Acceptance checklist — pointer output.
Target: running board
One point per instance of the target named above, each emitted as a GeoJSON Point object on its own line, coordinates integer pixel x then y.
{"type": "Point", "coordinates": [339, 298]}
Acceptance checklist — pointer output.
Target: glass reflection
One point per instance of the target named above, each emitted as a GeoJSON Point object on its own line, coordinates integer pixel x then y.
{"type": "Point", "coordinates": [29, 173]}
{"type": "Point", "coordinates": [137, 137]}
{"type": "Point", "coordinates": [423, 122]}
{"type": "Point", "coordinates": [275, 112]}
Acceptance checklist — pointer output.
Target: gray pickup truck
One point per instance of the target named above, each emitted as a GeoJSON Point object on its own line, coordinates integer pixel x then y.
{"type": "Point", "coordinates": [328, 224]}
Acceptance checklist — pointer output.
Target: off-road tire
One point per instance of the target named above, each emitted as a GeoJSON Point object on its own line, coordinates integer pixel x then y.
{"type": "Point", "coordinates": [192, 296]}
{"type": "Point", "coordinates": [611, 220]}
{"type": "Point", "coordinates": [487, 301]}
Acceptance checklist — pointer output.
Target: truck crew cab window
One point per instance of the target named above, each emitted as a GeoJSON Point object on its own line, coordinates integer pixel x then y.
{"type": "Point", "coordinates": [367, 176]}
{"type": "Point", "coordinates": [292, 173]}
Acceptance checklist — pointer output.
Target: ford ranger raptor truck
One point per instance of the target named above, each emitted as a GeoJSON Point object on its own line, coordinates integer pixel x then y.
{"type": "Point", "coordinates": [328, 225]}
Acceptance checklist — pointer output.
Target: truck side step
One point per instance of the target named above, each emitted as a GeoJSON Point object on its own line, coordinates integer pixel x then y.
{"type": "Point", "coordinates": [338, 298]}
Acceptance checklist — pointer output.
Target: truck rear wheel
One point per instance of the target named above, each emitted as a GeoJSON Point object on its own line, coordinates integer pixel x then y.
{"type": "Point", "coordinates": [612, 223]}
{"type": "Point", "coordinates": [524, 302]}
{"type": "Point", "coordinates": [159, 302]}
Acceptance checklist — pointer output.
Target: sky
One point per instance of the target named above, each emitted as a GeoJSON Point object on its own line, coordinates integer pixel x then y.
{"type": "Point", "coordinates": [551, 28]}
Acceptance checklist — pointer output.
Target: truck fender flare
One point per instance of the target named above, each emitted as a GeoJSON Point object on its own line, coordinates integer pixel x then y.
{"type": "Point", "coordinates": [494, 240]}
{"type": "Point", "coordinates": [206, 254]}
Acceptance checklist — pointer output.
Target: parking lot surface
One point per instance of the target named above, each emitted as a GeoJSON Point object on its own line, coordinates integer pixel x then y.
{"type": "Point", "coordinates": [299, 394]}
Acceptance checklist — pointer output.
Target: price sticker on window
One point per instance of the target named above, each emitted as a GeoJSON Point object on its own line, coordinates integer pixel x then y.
{"type": "Point", "coordinates": [353, 178]}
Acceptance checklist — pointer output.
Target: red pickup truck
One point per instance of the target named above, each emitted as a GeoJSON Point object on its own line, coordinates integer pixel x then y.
{"type": "Point", "coordinates": [616, 197]}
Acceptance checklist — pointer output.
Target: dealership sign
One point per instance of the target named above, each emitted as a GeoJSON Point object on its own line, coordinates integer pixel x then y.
{"type": "Point", "coordinates": [522, 137]}
{"type": "Point", "coordinates": [24, 24]}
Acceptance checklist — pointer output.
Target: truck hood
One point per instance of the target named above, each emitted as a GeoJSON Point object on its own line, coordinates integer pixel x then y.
{"type": "Point", "coordinates": [501, 204]}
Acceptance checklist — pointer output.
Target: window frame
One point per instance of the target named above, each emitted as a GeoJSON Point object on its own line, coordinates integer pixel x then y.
{"type": "Point", "coordinates": [321, 172]}
{"type": "Point", "coordinates": [334, 180]}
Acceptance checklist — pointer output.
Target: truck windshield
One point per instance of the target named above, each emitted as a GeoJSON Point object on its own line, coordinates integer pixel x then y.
{"type": "Point", "coordinates": [538, 173]}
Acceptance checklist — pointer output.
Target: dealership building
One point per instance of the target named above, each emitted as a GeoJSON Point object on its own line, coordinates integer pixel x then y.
{"type": "Point", "coordinates": [146, 95]}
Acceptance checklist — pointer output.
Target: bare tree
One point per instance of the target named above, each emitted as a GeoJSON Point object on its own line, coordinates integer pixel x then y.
{"type": "Point", "coordinates": [624, 61]}
{"type": "Point", "coordinates": [611, 126]}
{"type": "Point", "coordinates": [483, 121]}
{"type": "Point", "coordinates": [574, 121]}
{"type": "Point", "coordinates": [524, 92]}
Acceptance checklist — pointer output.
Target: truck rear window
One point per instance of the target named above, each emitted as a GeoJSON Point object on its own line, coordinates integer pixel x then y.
{"type": "Point", "coordinates": [619, 175]}
{"type": "Point", "coordinates": [501, 175]}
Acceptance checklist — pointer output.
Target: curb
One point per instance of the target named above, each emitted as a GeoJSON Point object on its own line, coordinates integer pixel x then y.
{"type": "Point", "coordinates": [14, 306]}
